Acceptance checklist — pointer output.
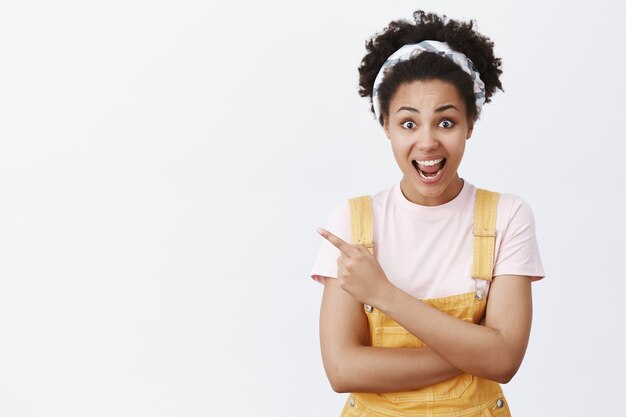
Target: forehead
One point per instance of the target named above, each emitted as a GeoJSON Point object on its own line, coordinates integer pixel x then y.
{"type": "Point", "coordinates": [426, 95]}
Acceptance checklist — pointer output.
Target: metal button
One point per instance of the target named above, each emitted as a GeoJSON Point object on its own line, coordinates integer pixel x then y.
{"type": "Point", "coordinates": [351, 402]}
{"type": "Point", "coordinates": [369, 308]}
{"type": "Point", "coordinates": [499, 403]}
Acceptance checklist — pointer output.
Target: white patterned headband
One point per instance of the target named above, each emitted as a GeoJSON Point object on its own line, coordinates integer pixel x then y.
{"type": "Point", "coordinates": [440, 48]}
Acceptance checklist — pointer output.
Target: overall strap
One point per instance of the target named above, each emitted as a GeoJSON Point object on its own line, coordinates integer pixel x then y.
{"type": "Point", "coordinates": [361, 221]}
{"type": "Point", "coordinates": [484, 234]}
{"type": "Point", "coordinates": [362, 230]}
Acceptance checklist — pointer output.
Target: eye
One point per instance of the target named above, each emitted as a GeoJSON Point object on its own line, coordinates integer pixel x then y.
{"type": "Point", "coordinates": [446, 124]}
{"type": "Point", "coordinates": [409, 125]}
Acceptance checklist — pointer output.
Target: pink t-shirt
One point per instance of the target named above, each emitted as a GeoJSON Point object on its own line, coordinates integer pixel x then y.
{"type": "Point", "coordinates": [427, 250]}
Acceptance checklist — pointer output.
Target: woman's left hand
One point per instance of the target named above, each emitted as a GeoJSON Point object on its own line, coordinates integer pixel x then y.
{"type": "Point", "coordinates": [359, 272]}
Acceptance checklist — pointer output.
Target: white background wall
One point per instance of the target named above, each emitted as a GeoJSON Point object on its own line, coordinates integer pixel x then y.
{"type": "Point", "coordinates": [164, 165]}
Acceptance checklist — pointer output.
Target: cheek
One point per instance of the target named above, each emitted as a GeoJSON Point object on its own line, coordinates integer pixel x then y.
{"type": "Point", "coordinates": [458, 148]}
{"type": "Point", "coordinates": [400, 151]}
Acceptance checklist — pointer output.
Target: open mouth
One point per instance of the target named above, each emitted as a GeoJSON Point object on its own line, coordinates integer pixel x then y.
{"type": "Point", "coordinates": [431, 169]}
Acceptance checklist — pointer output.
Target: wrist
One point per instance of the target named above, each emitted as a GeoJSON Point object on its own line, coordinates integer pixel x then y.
{"type": "Point", "coordinates": [387, 296]}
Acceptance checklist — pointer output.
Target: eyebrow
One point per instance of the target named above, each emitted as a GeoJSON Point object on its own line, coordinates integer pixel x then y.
{"type": "Point", "coordinates": [437, 110]}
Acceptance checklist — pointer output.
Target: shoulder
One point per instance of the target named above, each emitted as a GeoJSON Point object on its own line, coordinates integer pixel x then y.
{"type": "Point", "coordinates": [518, 250]}
{"type": "Point", "coordinates": [509, 205]}
{"type": "Point", "coordinates": [513, 208]}
{"type": "Point", "coordinates": [339, 217]}
{"type": "Point", "coordinates": [378, 199]}
{"type": "Point", "coordinates": [513, 213]}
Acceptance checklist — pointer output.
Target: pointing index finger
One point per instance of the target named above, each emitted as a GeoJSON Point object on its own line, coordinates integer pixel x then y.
{"type": "Point", "coordinates": [339, 243]}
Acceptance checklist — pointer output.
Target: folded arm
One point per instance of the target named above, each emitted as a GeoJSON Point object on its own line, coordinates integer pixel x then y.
{"type": "Point", "coordinates": [353, 366]}
{"type": "Point", "coordinates": [493, 351]}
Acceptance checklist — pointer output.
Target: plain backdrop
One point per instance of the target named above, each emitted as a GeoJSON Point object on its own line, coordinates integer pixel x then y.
{"type": "Point", "coordinates": [164, 166]}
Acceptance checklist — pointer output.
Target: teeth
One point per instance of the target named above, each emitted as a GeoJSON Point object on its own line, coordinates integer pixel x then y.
{"type": "Point", "coordinates": [429, 163]}
{"type": "Point", "coordinates": [430, 178]}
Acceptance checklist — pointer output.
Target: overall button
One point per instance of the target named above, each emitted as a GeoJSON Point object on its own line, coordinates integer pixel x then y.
{"type": "Point", "coordinates": [499, 403]}
{"type": "Point", "coordinates": [351, 402]}
{"type": "Point", "coordinates": [369, 308]}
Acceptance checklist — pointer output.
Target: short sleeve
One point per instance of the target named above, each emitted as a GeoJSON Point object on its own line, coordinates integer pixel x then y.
{"type": "Point", "coordinates": [518, 252]}
{"type": "Point", "coordinates": [325, 265]}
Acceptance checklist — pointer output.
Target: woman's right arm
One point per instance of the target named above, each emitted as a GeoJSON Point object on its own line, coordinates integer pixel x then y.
{"type": "Point", "coordinates": [353, 366]}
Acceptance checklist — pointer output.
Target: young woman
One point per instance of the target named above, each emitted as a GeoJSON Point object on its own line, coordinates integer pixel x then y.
{"type": "Point", "coordinates": [432, 311]}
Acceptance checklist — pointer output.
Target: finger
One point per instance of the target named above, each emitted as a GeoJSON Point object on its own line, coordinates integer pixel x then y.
{"type": "Point", "coordinates": [339, 243]}
{"type": "Point", "coordinates": [362, 248]}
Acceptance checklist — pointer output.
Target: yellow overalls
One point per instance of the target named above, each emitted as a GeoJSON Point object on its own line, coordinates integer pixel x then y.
{"type": "Point", "coordinates": [465, 395]}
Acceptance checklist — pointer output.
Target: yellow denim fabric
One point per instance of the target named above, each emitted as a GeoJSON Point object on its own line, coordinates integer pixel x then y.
{"type": "Point", "coordinates": [465, 395]}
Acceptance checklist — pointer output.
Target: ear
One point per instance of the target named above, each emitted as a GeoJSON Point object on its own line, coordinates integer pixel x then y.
{"type": "Point", "coordinates": [470, 129]}
{"type": "Point", "coordinates": [386, 128]}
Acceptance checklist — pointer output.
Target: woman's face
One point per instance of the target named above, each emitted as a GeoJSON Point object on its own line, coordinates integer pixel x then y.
{"type": "Point", "coordinates": [428, 126]}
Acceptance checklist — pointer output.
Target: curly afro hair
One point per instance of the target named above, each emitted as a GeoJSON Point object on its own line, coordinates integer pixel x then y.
{"type": "Point", "coordinates": [461, 36]}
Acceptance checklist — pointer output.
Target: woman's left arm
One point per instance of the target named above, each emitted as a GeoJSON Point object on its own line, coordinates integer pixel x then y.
{"type": "Point", "coordinates": [494, 350]}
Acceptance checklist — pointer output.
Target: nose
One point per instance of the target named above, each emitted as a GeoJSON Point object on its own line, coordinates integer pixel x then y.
{"type": "Point", "coordinates": [427, 140]}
